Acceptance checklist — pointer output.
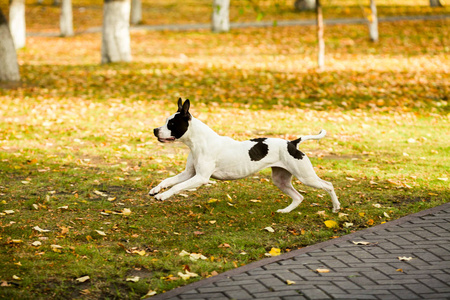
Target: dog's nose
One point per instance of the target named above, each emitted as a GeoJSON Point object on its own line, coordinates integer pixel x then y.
{"type": "Point", "coordinates": [156, 131]}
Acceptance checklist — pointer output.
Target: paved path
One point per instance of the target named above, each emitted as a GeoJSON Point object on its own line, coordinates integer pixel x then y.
{"type": "Point", "coordinates": [371, 271]}
{"type": "Point", "coordinates": [201, 26]}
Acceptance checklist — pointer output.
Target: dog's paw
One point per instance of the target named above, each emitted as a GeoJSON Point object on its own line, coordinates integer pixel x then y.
{"type": "Point", "coordinates": [283, 211]}
{"type": "Point", "coordinates": [336, 209]}
{"type": "Point", "coordinates": [154, 191]}
{"type": "Point", "coordinates": [162, 196]}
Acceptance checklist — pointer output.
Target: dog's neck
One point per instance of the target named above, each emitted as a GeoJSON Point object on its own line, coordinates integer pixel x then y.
{"type": "Point", "coordinates": [199, 139]}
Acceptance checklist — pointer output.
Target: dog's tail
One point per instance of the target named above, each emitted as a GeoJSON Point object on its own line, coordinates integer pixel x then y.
{"type": "Point", "coordinates": [300, 140]}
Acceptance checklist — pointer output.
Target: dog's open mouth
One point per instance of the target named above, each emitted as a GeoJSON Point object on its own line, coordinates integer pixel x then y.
{"type": "Point", "coordinates": [167, 140]}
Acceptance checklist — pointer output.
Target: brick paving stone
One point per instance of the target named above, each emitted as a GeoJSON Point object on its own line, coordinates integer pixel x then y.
{"type": "Point", "coordinates": [356, 272]}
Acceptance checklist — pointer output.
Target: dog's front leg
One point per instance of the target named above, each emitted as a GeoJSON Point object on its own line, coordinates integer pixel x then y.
{"type": "Point", "coordinates": [202, 174]}
{"type": "Point", "coordinates": [192, 183]}
{"type": "Point", "coordinates": [188, 173]}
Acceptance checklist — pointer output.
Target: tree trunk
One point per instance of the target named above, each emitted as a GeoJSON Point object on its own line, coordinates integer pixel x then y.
{"type": "Point", "coordinates": [221, 16]}
{"type": "Point", "coordinates": [373, 22]}
{"type": "Point", "coordinates": [17, 22]}
{"type": "Point", "coordinates": [65, 19]}
{"type": "Point", "coordinates": [9, 69]}
{"type": "Point", "coordinates": [302, 5]}
{"type": "Point", "coordinates": [435, 3]}
{"type": "Point", "coordinates": [136, 11]}
{"type": "Point", "coordinates": [116, 31]}
{"type": "Point", "coordinates": [320, 41]}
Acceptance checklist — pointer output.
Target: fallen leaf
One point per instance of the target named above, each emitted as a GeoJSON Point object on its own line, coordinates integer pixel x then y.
{"type": "Point", "coordinates": [399, 270]}
{"type": "Point", "coordinates": [126, 212]}
{"type": "Point", "coordinates": [100, 193]}
{"type": "Point", "coordinates": [187, 275]}
{"type": "Point", "coordinates": [212, 200]}
{"type": "Point", "coordinates": [133, 279]}
{"type": "Point", "coordinates": [9, 211]}
{"type": "Point", "coordinates": [255, 201]}
{"type": "Point", "coordinates": [361, 243]}
{"type": "Point", "coordinates": [184, 253]}
{"type": "Point", "coordinates": [376, 205]}
{"type": "Point", "coordinates": [83, 279]}
{"type": "Point", "coordinates": [150, 293]}
{"type": "Point", "coordinates": [331, 224]}
{"type": "Point", "coordinates": [370, 222]}
{"type": "Point", "coordinates": [322, 270]}
{"type": "Point", "coordinates": [348, 224]}
{"type": "Point", "coordinates": [386, 215]}
{"type": "Point", "coordinates": [15, 277]}
{"type": "Point", "coordinates": [100, 232]}
{"type": "Point", "coordinates": [197, 256]}
{"type": "Point", "coordinates": [275, 252]}
{"type": "Point", "coordinates": [269, 229]}
{"type": "Point", "coordinates": [404, 258]}
{"type": "Point", "coordinates": [290, 282]}
{"type": "Point", "coordinates": [36, 244]}
{"type": "Point", "coordinates": [224, 245]}
{"type": "Point", "coordinates": [350, 179]}
{"type": "Point", "coordinates": [322, 213]}
{"type": "Point", "coordinates": [37, 228]}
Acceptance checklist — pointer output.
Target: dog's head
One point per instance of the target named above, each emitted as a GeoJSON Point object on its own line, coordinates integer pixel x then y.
{"type": "Point", "coordinates": [176, 125]}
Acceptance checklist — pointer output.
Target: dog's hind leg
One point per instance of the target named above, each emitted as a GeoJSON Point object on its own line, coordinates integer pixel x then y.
{"type": "Point", "coordinates": [282, 179]}
{"type": "Point", "coordinates": [327, 186]}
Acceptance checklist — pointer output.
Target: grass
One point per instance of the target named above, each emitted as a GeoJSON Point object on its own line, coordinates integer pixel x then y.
{"type": "Point", "coordinates": [78, 155]}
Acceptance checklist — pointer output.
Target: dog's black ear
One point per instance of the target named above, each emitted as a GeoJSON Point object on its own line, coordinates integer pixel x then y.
{"type": "Point", "coordinates": [185, 108]}
{"type": "Point", "coordinates": [180, 104]}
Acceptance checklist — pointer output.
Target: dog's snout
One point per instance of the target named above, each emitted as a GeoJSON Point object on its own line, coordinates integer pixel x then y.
{"type": "Point", "coordinates": [156, 132]}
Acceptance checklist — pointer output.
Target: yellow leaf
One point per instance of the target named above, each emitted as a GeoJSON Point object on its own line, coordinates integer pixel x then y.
{"type": "Point", "coordinates": [322, 270]}
{"type": "Point", "coordinates": [361, 243]}
{"type": "Point", "coordinates": [370, 222]}
{"type": "Point", "coordinates": [133, 279]}
{"type": "Point", "coordinates": [83, 279]}
{"type": "Point", "coordinates": [404, 258]}
{"type": "Point", "coordinates": [15, 277]}
{"type": "Point", "coordinates": [331, 224]}
{"type": "Point", "coordinates": [100, 232]}
{"type": "Point", "coordinates": [289, 282]}
{"type": "Point", "coordinates": [150, 293]}
{"type": "Point", "coordinates": [126, 212]}
{"type": "Point", "coordinates": [269, 229]}
{"type": "Point", "coordinates": [212, 200]}
{"type": "Point", "coordinates": [275, 252]}
{"type": "Point", "coordinates": [362, 214]}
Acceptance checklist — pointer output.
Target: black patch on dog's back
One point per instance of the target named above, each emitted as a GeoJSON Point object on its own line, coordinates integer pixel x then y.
{"type": "Point", "coordinates": [293, 151]}
{"type": "Point", "coordinates": [178, 125]}
{"type": "Point", "coordinates": [259, 150]}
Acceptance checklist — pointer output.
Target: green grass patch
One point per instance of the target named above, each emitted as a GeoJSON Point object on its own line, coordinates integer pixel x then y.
{"type": "Point", "coordinates": [77, 153]}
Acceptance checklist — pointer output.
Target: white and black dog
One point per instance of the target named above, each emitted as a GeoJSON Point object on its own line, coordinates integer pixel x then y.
{"type": "Point", "coordinates": [223, 158]}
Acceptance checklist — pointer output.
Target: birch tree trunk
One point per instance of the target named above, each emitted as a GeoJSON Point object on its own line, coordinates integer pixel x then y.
{"type": "Point", "coordinates": [221, 16]}
{"type": "Point", "coordinates": [116, 31]}
{"type": "Point", "coordinates": [136, 12]}
{"type": "Point", "coordinates": [320, 41]}
{"type": "Point", "coordinates": [435, 3]}
{"type": "Point", "coordinates": [17, 22]}
{"type": "Point", "coordinates": [373, 22]}
{"type": "Point", "coordinates": [9, 69]}
{"type": "Point", "coordinates": [302, 5]}
{"type": "Point", "coordinates": [65, 19]}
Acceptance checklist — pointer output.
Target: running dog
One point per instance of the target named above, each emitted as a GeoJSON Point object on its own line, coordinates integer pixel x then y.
{"type": "Point", "coordinates": [220, 157]}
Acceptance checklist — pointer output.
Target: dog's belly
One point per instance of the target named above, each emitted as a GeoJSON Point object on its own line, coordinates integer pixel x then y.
{"type": "Point", "coordinates": [232, 172]}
